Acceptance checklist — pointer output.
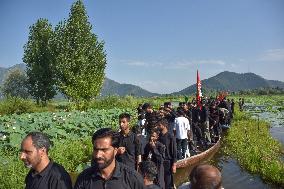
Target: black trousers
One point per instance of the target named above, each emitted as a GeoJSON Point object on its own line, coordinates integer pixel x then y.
{"type": "Point", "coordinates": [181, 148]}
{"type": "Point", "coordinates": [168, 175]}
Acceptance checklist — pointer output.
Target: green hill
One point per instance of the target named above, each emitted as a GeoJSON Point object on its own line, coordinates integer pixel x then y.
{"type": "Point", "coordinates": [224, 81]}
{"type": "Point", "coordinates": [231, 81]}
{"type": "Point", "coordinates": [110, 87]}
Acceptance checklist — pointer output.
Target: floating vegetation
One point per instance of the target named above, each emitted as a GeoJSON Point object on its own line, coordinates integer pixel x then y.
{"type": "Point", "coordinates": [250, 142]}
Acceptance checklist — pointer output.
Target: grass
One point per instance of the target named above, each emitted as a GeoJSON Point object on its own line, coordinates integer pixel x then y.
{"type": "Point", "coordinates": [250, 142]}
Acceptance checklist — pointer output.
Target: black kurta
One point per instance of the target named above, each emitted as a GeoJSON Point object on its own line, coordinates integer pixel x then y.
{"type": "Point", "coordinates": [53, 176]}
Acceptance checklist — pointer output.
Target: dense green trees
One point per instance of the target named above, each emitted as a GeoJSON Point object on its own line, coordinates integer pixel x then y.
{"type": "Point", "coordinates": [80, 59]}
{"type": "Point", "coordinates": [15, 84]}
{"type": "Point", "coordinates": [71, 58]}
{"type": "Point", "coordinates": [38, 57]}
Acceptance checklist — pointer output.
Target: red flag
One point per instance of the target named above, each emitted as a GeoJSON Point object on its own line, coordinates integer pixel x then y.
{"type": "Point", "coordinates": [198, 91]}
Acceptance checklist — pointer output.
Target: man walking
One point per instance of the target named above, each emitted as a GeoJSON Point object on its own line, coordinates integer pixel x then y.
{"type": "Point", "coordinates": [44, 173]}
{"type": "Point", "coordinates": [107, 173]}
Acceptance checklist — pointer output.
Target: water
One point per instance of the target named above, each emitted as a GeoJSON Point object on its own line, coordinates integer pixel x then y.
{"type": "Point", "coordinates": [233, 176]}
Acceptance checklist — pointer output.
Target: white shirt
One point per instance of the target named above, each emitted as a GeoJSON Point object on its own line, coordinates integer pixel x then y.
{"type": "Point", "coordinates": [181, 126]}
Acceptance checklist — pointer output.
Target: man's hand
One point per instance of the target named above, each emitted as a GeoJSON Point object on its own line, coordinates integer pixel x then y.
{"type": "Point", "coordinates": [174, 168]}
{"type": "Point", "coordinates": [152, 144]}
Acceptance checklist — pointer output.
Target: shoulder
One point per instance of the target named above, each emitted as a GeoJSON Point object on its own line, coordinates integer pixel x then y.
{"type": "Point", "coordinates": [87, 173]}
{"type": "Point", "coordinates": [130, 173]}
{"type": "Point", "coordinates": [58, 170]}
{"type": "Point", "coordinates": [170, 135]}
{"type": "Point", "coordinates": [160, 144]}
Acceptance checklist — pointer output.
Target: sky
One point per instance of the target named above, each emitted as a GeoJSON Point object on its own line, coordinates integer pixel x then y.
{"type": "Point", "coordinates": [160, 44]}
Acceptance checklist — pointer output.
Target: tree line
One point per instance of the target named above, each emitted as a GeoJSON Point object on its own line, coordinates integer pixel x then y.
{"type": "Point", "coordinates": [68, 58]}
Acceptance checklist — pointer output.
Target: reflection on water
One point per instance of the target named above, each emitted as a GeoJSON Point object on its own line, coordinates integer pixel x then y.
{"type": "Point", "coordinates": [234, 177]}
{"type": "Point", "coordinates": [278, 133]}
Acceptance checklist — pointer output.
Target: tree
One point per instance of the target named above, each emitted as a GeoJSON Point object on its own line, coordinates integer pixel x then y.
{"type": "Point", "coordinates": [15, 84]}
{"type": "Point", "coordinates": [38, 57]}
{"type": "Point", "coordinates": [80, 58]}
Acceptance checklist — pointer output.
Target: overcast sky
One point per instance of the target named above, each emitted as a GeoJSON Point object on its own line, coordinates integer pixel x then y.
{"type": "Point", "coordinates": [159, 44]}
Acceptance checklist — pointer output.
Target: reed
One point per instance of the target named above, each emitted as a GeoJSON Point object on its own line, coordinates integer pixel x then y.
{"type": "Point", "coordinates": [250, 142]}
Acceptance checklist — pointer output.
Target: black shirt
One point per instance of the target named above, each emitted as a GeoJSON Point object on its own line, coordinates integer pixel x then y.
{"type": "Point", "coordinates": [204, 115]}
{"type": "Point", "coordinates": [171, 148]}
{"type": "Point", "coordinates": [155, 154]}
{"type": "Point", "coordinates": [132, 149]}
{"type": "Point", "coordinates": [152, 186]}
{"type": "Point", "coordinates": [53, 176]}
{"type": "Point", "coordinates": [123, 177]}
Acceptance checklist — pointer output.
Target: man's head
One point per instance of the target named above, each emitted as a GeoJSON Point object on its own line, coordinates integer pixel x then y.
{"type": "Point", "coordinates": [154, 135]}
{"type": "Point", "coordinates": [124, 120]}
{"type": "Point", "coordinates": [148, 171]}
{"type": "Point", "coordinates": [162, 124]}
{"type": "Point", "coordinates": [105, 144]}
{"type": "Point", "coordinates": [205, 177]}
{"type": "Point", "coordinates": [168, 105]}
{"type": "Point", "coordinates": [147, 108]}
{"type": "Point", "coordinates": [180, 113]}
{"type": "Point", "coordinates": [34, 149]}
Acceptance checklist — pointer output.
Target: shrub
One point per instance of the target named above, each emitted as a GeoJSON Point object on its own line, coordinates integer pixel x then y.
{"type": "Point", "coordinates": [15, 105]}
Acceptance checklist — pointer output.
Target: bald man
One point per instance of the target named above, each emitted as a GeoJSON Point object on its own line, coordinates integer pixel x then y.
{"type": "Point", "coordinates": [204, 177]}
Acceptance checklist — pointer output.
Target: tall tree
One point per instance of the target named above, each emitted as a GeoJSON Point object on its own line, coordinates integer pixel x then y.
{"type": "Point", "coordinates": [80, 58]}
{"type": "Point", "coordinates": [15, 84]}
{"type": "Point", "coordinates": [38, 57]}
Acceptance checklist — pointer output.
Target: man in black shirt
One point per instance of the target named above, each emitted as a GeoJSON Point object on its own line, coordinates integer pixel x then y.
{"type": "Point", "coordinates": [154, 151]}
{"type": "Point", "coordinates": [151, 117]}
{"type": "Point", "coordinates": [44, 173]}
{"type": "Point", "coordinates": [129, 151]}
{"type": "Point", "coordinates": [170, 160]}
{"type": "Point", "coordinates": [149, 172]}
{"type": "Point", "coordinates": [107, 173]}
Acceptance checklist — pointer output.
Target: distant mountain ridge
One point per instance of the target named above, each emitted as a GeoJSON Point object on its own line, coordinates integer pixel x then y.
{"type": "Point", "coordinates": [224, 81]}
{"type": "Point", "coordinates": [231, 81]}
{"type": "Point", "coordinates": [110, 87]}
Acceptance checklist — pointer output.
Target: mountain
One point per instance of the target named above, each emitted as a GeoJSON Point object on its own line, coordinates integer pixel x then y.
{"type": "Point", "coordinates": [226, 81]}
{"type": "Point", "coordinates": [231, 81]}
{"type": "Point", "coordinates": [110, 87]}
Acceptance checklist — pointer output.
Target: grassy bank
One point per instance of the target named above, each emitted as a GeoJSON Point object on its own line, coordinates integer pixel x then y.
{"type": "Point", "coordinates": [250, 142]}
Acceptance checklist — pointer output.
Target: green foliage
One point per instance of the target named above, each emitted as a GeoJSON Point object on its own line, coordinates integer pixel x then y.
{"type": "Point", "coordinates": [12, 171]}
{"type": "Point", "coordinates": [15, 105]}
{"type": "Point", "coordinates": [15, 84]}
{"type": "Point", "coordinates": [249, 141]}
{"type": "Point", "coordinates": [77, 153]}
{"type": "Point", "coordinates": [80, 59]}
{"type": "Point", "coordinates": [38, 58]}
{"type": "Point", "coordinates": [262, 91]}
{"type": "Point", "coordinates": [58, 126]}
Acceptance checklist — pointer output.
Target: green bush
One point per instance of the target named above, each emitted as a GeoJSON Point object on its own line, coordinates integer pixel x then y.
{"type": "Point", "coordinates": [15, 105]}
{"type": "Point", "coordinates": [74, 155]}
{"type": "Point", "coordinates": [12, 171]}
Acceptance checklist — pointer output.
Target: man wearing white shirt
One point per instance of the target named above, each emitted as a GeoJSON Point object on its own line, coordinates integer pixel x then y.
{"type": "Point", "coordinates": [181, 132]}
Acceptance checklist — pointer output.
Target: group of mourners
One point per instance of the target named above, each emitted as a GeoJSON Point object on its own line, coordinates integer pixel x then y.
{"type": "Point", "coordinates": [195, 126]}
{"type": "Point", "coordinates": [143, 156]}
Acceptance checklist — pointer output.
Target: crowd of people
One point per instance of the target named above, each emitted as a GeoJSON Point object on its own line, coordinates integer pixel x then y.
{"type": "Point", "coordinates": [144, 156]}
{"type": "Point", "coordinates": [195, 126]}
